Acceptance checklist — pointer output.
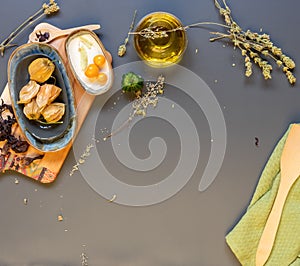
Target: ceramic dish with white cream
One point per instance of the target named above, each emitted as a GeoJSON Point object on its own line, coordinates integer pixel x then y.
{"type": "Point", "coordinates": [89, 61]}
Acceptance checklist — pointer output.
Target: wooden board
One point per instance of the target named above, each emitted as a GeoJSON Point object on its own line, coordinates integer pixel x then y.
{"type": "Point", "coordinates": [45, 170]}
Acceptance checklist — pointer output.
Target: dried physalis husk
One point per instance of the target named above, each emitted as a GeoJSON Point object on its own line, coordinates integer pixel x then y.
{"type": "Point", "coordinates": [31, 110]}
{"type": "Point", "coordinates": [28, 92]}
{"type": "Point", "coordinates": [55, 91]}
{"type": "Point", "coordinates": [47, 94]}
{"type": "Point", "coordinates": [53, 112]}
{"type": "Point", "coordinates": [41, 69]}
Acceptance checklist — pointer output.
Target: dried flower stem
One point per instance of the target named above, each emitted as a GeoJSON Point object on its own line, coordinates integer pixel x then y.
{"type": "Point", "coordinates": [158, 32]}
{"type": "Point", "coordinates": [46, 9]}
{"type": "Point", "coordinates": [120, 128]}
{"type": "Point", "coordinates": [142, 102]}
{"type": "Point", "coordinates": [122, 47]}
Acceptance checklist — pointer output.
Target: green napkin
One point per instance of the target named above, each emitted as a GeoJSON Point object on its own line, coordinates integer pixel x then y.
{"type": "Point", "coordinates": [244, 238]}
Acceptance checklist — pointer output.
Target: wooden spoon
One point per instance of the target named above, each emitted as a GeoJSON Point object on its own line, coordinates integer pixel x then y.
{"type": "Point", "coordinates": [45, 35]}
{"type": "Point", "coordinates": [290, 171]}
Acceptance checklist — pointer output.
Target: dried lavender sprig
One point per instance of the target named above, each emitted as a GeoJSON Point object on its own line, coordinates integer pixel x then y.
{"type": "Point", "coordinates": [46, 9]}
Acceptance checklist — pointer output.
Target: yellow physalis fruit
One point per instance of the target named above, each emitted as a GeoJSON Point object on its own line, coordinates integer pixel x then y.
{"type": "Point", "coordinates": [99, 60]}
{"type": "Point", "coordinates": [92, 71]}
{"type": "Point", "coordinates": [41, 69]}
{"type": "Point", "coordinates": [102, 78]}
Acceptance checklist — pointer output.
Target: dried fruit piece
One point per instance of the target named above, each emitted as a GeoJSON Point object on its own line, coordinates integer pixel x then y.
{"type": "Point", "coordinates": [17, 144]}
{"type": "Point", "coordinates": [83, 58]}
{"type": "Point", "coordinates": [41, 69]}
{"type": "Point", "coordinates": [32, 110]}
{"type": "Point", "coordinates": [6, 123]}
{"type": "Point", "coordinates": [47, 94]}
{"type": "Point", "coordinates": [28, 92]}
{"type": "Point", "coordinates": [86, 42]}
{"type": "Point", "coordinates": [53, 112]}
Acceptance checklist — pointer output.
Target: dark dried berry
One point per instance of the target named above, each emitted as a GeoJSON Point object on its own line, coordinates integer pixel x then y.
{"type": "Point", "coordinates": [46, 35]}
{"type": "Point", "coordinates": [16, 144]}
{"type": "Point", "coordinates": [256, 141]}
{"type": "Point", "coordinates": [29, 160]}
{"type": "Point", "coordinates": [19, 147]}
{"type": "Point", "coordinates": [42, 37]}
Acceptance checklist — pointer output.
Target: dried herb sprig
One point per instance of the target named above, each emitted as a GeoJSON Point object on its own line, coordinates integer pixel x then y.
{"type": "Point", "coordinates": [122, 47]}
{"type": "Point", "coordinates": [155, 32]}
{"type": "Point", "coordinates": [142, 102]}
{"type": "Point", "coordinates": [255, 47]}
{"type": "Point", "coordinates": [149, 98]}
{"type": "Point", "coordinates": [82, 158]}
{"type": "Point", "coordinates": [45, 10]}
{"type": "Point", "coordinates": [84, 259]}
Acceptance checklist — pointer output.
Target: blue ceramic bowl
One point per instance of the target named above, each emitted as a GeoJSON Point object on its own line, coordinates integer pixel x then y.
{"type": "Point", "coordinates": [50, 137]}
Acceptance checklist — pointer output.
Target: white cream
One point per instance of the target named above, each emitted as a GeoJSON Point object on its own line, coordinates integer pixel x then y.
{"type": "Point", "coordinates": [90, 85]}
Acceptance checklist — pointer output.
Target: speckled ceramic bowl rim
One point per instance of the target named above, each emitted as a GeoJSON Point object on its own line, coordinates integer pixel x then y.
{"type": "Point", "coordinates": [69, 134]}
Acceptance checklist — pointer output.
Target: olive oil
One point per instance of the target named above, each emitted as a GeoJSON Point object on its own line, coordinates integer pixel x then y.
{"type": "Point", "coordinates": [164, 50]}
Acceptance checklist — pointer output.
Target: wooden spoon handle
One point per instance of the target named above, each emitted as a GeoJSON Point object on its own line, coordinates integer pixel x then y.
{"type": "Point", "coordinates": [55, 32]}
{"type": "Point", "coordinates": [268, 236]}
{"type": "Point", "coordinates": [290, 171]}
{"type": "Point", "coordinates": [89, 27]}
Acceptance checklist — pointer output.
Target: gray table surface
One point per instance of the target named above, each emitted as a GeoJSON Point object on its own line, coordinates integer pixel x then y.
{"type": "Point", "coordinates": [188, 228]}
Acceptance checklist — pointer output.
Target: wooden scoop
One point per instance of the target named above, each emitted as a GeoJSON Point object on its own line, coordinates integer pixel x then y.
{"type": "Point", "coordinates": [290, 171]}
{"type": "Point", "coordinates": [48, 34]}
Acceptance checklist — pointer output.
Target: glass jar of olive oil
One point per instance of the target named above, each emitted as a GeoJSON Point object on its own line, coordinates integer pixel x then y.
{"type": "Point", "coordinates": [160, 39]}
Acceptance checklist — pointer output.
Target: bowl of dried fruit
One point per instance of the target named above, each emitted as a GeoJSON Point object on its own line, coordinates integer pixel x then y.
{"type": "Point", "coordinates": [41, 96]}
